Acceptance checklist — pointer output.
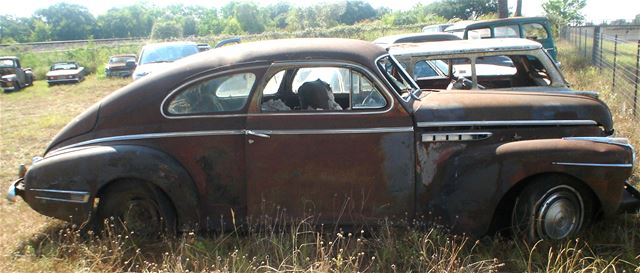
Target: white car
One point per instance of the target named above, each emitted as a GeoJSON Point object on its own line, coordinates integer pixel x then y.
{"type": "Point", "coordinates": [155, 57]}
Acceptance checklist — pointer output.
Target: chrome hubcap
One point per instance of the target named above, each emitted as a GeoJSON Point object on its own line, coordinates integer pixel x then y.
{"type": "Point", "coordinates": [561, 213]}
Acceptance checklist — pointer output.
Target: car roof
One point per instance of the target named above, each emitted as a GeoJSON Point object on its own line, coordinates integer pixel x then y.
{"type": "Point", "coordinates": [463, 46]}
{"type": "Point", "coordinates": [416, 37]}
{"type": "Point", "coordinates": [494, 22]}
{"type": "Point", "coordinates": [69, 62]}
{"type": "Point", "coordinates": [8, 58]}
{"type": "Point", "coordinates": [289, 50]}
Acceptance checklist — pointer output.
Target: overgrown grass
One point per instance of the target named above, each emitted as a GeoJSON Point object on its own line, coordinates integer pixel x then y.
{"type": "Point", "coordinates": [30, 242]}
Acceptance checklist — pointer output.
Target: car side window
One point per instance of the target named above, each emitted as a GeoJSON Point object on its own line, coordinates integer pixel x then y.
{"type": "Point", "coordinates": [220, 94]}
{"type": "Point", "coordinates": [480, 33]}
{"type": "Point", "coordinates": [535, 32]}
{"type": "Point", "coordinates": [321, 89]}
{"type": "Point", "coordinates": [511, 31]}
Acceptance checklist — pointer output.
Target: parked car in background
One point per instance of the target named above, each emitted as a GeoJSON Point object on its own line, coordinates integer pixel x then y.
{"type": "Point", "coordinates": [65, 72]}
{"type": "Point", "coordinates": [505, 64]}
{"type": "Point", "coordinates": [533, 28]}
{"type": "Point", "coordinates": [120, 65]}
{"type": "Point", "coordinates": [387, 41]}
{"type": "Point", "coordinates": [436, 28]}
{"type": "Point", "coordinates": [203, 47]}
{"type": "Point", "coordinates": [158, 56]}
{"type": "Point", "coordinates": [262, 128]}
{"type": "Point", "coordinates": [12, 76]}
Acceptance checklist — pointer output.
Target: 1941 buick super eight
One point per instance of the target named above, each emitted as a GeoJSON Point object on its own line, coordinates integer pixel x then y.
{"type": "Point", "coordinates": [335, 129]}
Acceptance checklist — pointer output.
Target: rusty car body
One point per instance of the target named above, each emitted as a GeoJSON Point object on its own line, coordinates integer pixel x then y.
{"type": "Point", "coordinates": [65, 72]}
{"type": "Point", "coordinates": [120, 66]}
{"type": "Point", "coordinates": [227, 135]}
{"type": "Point", "coordinates": [12, 76]}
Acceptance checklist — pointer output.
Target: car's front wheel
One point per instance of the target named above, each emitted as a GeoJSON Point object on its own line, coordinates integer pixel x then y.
{"type": "Point", "coordinates": [551, 208]}
{"type": "Point", "coordinates": [135, 207]}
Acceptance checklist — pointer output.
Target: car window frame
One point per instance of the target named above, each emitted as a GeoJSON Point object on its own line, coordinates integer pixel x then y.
{"type": "Point", "coordinates": [255, 108]}
{"type": "Point", "coordinates": [257, 70]}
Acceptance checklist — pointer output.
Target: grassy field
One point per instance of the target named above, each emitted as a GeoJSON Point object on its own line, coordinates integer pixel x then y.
{"type": "Point", "coordinates": [30, 242]}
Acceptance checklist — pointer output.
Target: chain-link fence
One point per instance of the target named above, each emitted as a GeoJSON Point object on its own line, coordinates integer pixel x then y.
{"type": "Point", "coordinates": [616, 53]}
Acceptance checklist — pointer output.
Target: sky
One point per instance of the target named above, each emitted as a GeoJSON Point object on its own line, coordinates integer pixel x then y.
{"type": "Point", "coordinates": [596, 11]}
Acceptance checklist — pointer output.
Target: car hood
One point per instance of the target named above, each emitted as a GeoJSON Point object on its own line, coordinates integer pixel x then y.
{"type": "Point", "coordinates": [478, 107]}
{"type": "Point", "coordinates": [145, 69]}
{"type": "Point", "coordinates": [64, 72]}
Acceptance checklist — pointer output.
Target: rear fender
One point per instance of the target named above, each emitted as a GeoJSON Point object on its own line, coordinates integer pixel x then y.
{"type": "Point", "coordinates": [90, 169]}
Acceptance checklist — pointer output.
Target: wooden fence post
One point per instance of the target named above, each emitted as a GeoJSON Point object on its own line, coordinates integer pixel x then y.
{"type": "Point", "coordinates": [595, 45]}
{"type": "Point", "coordinates": [615, 55]}
{"type": "Point", "coordinates": [585, 42]}
{"type": "Point", "coordinates": [600, 55]}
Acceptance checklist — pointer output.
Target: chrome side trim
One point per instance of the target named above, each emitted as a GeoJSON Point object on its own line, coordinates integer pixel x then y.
{"type": "Point", "coordinates": [234, 132]}
{"type": "Point", "coordinates": [61, 200]}
{"type": "Point", "coordinates": [83, 196]}
{"type": "Point", "coordinates": [150, 136]}
{"type": "Point", "coordinates": [482, 123]}
{"type": "Point", "coordinates": [613, 165]}
{"type": "Point", "coordinates": [335, 131]}
{"type": "Point", "coordinates": [456, 136]}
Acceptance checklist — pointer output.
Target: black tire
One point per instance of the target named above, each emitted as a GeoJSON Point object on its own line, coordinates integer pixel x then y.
{"type": "Point", "coordinates": [551, 207]}
{"type": "Point", "coordinates": [18, 86]}
{"type": "Point", "coordinates": [138, 207]}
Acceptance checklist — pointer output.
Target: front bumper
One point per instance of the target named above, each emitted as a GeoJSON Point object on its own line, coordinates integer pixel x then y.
{"type": "Point", "coordinates": [630, 200]}
{"type": "Point", "coordinates": [72, 80]}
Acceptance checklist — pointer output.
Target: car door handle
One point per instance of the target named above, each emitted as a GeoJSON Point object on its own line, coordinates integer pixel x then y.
{"type": "Point", "coordinates": [253, 133]}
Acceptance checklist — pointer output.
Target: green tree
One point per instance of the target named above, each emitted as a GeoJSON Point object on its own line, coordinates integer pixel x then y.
{"type": "Point", "coordinates": [354, 11]}
{"type": "Point", "coordinates": [249, 16]}
{"type": "Point", "coordinates": [166, 29]}
{"type": "Point", "coordinates": [15, 29]}
{"type": "Point", "coordinates": [463, 9]}
{"type": "Point", "coordinates": [41, 31]}
{"type": "Point", "coordinates": [563, 12]}
{"type": "Point", "coordinates": [232, 27]}
{"type": "Point", "coordinates": [68, 21]}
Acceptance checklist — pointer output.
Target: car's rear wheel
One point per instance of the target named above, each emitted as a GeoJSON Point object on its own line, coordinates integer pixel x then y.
{"type": "Point", "coordinates": [137, 207]}
{"type": "Point", "coordinates": [551, 208]}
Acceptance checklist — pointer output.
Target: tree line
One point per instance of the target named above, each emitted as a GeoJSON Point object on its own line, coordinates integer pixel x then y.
{"type": "Point", "coordinates": [64, 21]}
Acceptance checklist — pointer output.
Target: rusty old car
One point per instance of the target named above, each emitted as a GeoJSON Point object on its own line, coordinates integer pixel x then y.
{"type": "Point", "coordinates": [13, 76]}
{"type": "Point", "coordinates": [120, 66]}
{"type": "Point", "coordinates": [337, 130]}
{"type": "Point", "coordinates": [65, 72]}
{"type": "Point", "coordinates": [497, 64]}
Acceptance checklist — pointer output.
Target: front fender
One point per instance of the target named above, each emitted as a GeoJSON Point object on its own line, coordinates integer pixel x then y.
{"type": "Point", "coordinates": [463, 184]}
{"type": "Point", "coordinates": [603, 167]}
{"type": "Point", "coordinates": [90, 169]}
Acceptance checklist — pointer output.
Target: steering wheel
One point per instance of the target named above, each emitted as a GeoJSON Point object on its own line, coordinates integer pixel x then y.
{"type": "Point", "coordinates": [369, 99]}
{"type": "Point", "coordinates": [462, 83]}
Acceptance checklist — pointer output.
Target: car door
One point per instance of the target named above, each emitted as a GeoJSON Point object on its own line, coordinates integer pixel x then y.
{"type": "Point", "coordinates": [345, 166]}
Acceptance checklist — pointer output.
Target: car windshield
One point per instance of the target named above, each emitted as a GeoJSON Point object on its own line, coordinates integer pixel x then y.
{"type": "Point", "coordinates": [6, 63]}
{"type": "Point", "coordinates": [64, 66]}
{"type": "Point", "coordinates": [115, 60]}
{"type": "Point", "coordinates": [167, 53]}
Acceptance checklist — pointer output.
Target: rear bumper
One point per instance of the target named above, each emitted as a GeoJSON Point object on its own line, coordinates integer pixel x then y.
{"type": "Point", "coordinates": [72, 80]}
{"type": "Point", "coordinates": [16, 189]}
{"type": "Point", "coordinates": [630, 200]}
